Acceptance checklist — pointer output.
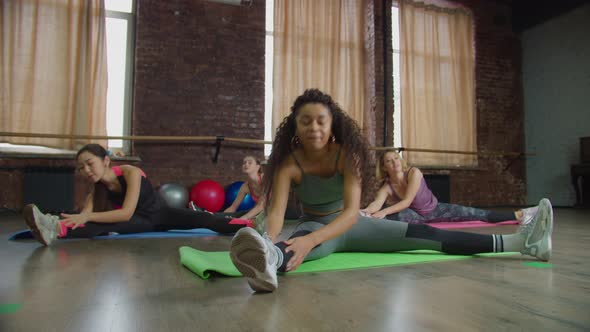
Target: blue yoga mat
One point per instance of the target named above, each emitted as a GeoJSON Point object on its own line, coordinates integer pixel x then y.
{"type": "Point", "coordinates": [26, 234]}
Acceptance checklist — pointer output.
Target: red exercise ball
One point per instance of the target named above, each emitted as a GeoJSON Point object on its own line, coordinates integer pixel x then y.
{"type": "Point", "coordinates": [208, 195]}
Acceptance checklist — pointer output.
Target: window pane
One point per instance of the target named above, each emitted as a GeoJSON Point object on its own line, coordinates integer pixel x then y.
{"type": "Point", "coordinates": [116, 57]}
{"type": "Point", "coordinates": [268, 73]}
{"type": "Point", "coordinates": [119, 5]}
{"type": "Point", "coordinates": [395, 27]}
{"type": "Point", "coordinates": [397, 118]}
{"type": "Point", "coordinates": [397, 105]}
{"type": "Point", "coordinates": [270, 18]}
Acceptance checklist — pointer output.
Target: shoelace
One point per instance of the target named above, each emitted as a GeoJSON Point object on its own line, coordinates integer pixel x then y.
{"type": "Point", "coordinates": [266, 237]}
{"type": "Point", "coordinates": [275, 253]}
{"type": "Point", "coordinates": [527, 229]}
{"type": "Point", "coordinates": [259, 222]}
{"type": "Point", "coordinates": [52, 217]}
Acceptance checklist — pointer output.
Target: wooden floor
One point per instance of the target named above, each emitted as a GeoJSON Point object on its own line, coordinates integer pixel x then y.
{"type": "Point", "coordinates": [139, 285]}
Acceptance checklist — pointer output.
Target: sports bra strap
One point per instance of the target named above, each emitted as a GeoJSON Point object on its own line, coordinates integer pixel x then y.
{"type": "Point", "coordinates": [337, 158]}
{"type": "Point", "coordinates": [118, 171]}
{"type": "Point", "coordinates": [298, 164]}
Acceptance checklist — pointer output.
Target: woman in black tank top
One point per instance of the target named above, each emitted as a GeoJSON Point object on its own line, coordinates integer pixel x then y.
{"type": "Point", "coordinates": [137, 206]}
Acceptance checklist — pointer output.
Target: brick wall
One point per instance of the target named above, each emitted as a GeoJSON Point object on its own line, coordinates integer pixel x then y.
{"type": "Point", "coordinates": [199, 70]}
{"type": "Point", "coordinates": [500, 111]}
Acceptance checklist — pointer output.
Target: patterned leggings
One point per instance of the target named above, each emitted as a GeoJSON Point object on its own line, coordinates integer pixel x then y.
{"type": "Point", "coordinates": [451, 212]}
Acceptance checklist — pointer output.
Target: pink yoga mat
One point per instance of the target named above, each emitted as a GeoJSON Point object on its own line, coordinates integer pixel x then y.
{"type": "Point", "coordinates": [471, 224]}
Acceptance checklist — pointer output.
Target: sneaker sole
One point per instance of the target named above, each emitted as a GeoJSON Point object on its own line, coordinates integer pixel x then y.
{"type": "Point", "coordinates": [29, 214]}
{"type": "Point", "coordinates": [250, 261]}
{"type": "Point", "coordinates": [550, 231]}
{"type": "Point", "coordinates": [545, 242]}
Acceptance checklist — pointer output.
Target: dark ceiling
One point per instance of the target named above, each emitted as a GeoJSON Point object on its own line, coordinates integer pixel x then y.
{"type": "Point", "coordinates": [529, 13]}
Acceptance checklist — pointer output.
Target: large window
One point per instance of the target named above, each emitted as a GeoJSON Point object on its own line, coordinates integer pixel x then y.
{"type": "Point", "coordinates": [433, 82]}
{"type": "Point", "coordinates": [120, 31]}
{"type": "Point", "coordinates": [322, 48]}
{"type": "Point", "coordinates": [120, 28]}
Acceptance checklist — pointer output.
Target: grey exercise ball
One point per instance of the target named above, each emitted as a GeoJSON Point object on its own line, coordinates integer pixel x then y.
{"type": "Point", "coordinates": [174, 194]}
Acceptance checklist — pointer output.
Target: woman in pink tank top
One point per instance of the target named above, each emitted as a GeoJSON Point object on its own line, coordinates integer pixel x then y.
{"type": "Point", "coordinates": [252, 168]}
{"type": "Point", "coordinates": [253, 185]}
{"type": "Point", "coordinates": [414, 202]}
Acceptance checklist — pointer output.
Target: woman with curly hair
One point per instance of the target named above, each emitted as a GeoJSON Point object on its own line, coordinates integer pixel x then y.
{"type": "Point", "coordinates": [414, 202]}
{"type": "Point", "coordinates": [320, 151]}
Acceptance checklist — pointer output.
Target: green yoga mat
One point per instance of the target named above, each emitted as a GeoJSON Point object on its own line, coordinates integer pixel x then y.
{"type": "Point", "coordinates": [204, 262]}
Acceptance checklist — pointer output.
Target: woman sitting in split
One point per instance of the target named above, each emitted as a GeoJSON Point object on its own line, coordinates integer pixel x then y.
{"type": "Point", "coordinates": [320, 152]}
{"type": "Point", "coordinates": [252, 169]}
{"type": "Point", "coordinates": [139, 207]}
{"type": "Point", "coordinates": [415, 203]}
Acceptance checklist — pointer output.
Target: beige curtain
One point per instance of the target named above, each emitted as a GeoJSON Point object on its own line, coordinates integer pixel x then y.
{"type": "Point", "coordinates": [319, 44]}
{"type": "Point", "coordinates": [437, 83]}
{"type": "Point", "coordinates": [53, 74]}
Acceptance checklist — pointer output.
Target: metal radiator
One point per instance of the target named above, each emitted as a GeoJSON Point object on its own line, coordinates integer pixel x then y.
{"type": "Point", "coordinates": [51, 189]}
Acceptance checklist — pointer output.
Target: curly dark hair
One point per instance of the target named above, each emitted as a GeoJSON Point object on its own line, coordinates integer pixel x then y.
{"type": "Point", "coordinates": [344, 128]}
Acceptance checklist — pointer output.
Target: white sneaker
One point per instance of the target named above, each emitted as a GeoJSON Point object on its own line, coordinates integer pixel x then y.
{"type": "Point", "coordinates": [257, 258]}
{"type": "Point", "coordinates": [528, 214]}
{"type": "Point", "coordinates": [259, 222]}
{"type": "Point", "coordinates": [194, 207]}
{"type": "Point", "coordinates": [43, 226]}
{"type": "Point", "coordinates": [538, 231]}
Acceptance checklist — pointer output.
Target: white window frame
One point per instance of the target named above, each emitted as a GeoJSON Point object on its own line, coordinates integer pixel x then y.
{"type": "Point", "coordinates": [268, 75]}
{"type": "Point", "coordinates": [129, 66]}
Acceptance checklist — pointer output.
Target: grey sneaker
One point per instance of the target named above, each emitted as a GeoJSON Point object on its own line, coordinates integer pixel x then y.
{"type": "Point", "coordinates": [259, 222]}
{"type": "Point", "coordinates": [538, 231]}
{"type": "Point", "coordinates": [257, 258]}
{"type": "Point", "coordinates": [528, 214]}
{"type": "Point", "coordinates": [43, 226]}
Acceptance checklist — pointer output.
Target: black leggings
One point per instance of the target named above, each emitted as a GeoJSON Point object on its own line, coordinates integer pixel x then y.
{"type": "Point", "coordinates": [166, 219]}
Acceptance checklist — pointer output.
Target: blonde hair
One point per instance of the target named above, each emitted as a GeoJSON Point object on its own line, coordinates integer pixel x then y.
{"type": "Point", "coordinates": [380, 173]}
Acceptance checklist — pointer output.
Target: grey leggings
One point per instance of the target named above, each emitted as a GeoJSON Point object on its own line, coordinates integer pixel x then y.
{"type": "Point", "coordinates": [451, 212]}
{"type": "Point", "coordinates": [292, 212]}
{"type": "Point", "coordinates": [379, 235]}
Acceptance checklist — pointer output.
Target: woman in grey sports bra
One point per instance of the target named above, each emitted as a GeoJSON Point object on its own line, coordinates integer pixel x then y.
{"type": "Point", "coordinates": [319, 150]}
{"type": "Point", "coordinates": [414, 202]}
